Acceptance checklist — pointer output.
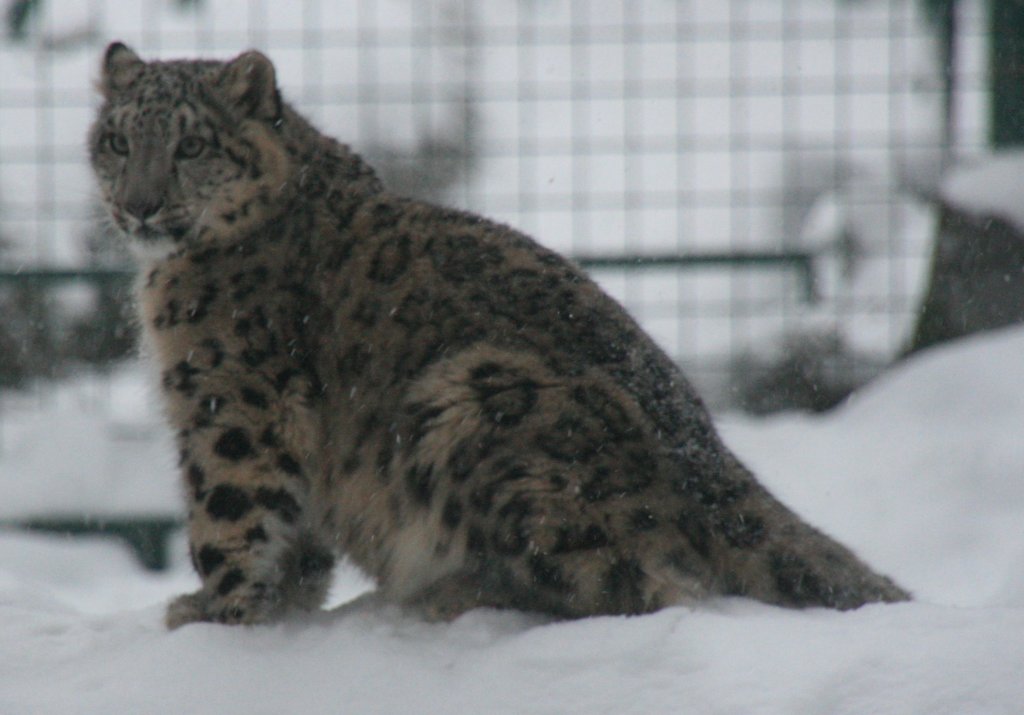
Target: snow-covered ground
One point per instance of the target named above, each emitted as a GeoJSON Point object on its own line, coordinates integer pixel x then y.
{"type": "Point", "coordinates": [922, 473]}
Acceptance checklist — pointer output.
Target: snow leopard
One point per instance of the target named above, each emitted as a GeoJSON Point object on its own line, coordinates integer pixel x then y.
{"type": "Point", "coordinates": [457, 410]}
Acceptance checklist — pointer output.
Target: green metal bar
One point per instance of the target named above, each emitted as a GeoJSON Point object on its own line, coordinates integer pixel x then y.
{"type": "Point", "coordinates": [48, 276]}
{"type": "Point", "coordinates": [800, 262]}
{"type": "Point", "coordinates": [146, 535]}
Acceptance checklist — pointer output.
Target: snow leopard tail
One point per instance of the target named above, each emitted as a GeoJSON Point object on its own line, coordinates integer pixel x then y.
{"type": "Point", "coordinates": [760, 549]}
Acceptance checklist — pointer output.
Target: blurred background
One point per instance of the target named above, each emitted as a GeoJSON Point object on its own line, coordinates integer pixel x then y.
{"type": "Point", "coordinates": [790, 195]}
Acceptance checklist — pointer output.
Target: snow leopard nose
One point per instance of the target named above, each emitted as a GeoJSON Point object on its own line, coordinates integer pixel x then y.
{"type": "Point", "coordinates": [145, 181]}
{"type": "Point", "coordinates": [142, 206]}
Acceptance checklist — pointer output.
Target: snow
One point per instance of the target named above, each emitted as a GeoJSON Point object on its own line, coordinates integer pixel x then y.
{"type": "Point", "coordinates": [920, 473]}
{"type": "Point", "coordinates": [113, 455]}
{"type": "Point", "coordinates": [991, 186]}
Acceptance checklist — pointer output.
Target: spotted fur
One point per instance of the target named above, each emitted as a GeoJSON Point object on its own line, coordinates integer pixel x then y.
{"type": "Point", "coordinates": [458, 410]}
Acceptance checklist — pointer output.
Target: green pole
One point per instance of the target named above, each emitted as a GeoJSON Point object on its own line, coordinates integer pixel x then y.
{"type": "Point", "coordinates": [1006, 72]}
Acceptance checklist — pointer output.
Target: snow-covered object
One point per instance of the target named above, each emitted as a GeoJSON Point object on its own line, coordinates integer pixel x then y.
{"type": "Point", "coordinates": [993, 187]}
{"type": "Point", "coordinates": [976, 278]}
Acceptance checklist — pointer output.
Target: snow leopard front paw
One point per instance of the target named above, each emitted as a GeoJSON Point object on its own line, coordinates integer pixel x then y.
{"type": "Point", "coordinates": [202, 607]}
{"type": "Point", "coordinates": [185, 609]}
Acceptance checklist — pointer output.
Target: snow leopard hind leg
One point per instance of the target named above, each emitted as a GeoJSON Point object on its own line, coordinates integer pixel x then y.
{"type": "Point", "coordinates": [566, 503]}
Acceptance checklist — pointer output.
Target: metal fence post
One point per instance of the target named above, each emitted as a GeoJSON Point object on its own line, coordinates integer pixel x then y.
{"type": "Point", "coordinates": [1006, 72]}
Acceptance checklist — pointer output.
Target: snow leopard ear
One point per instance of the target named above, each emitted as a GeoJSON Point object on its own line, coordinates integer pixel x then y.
{"type": "Point", "coordinates": [250, 86]}
{"type": "Point", "coordinates": [121, 67]}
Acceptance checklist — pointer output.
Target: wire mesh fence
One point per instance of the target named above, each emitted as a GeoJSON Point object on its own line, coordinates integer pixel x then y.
{"type": "Point", "coordinates": [736, 172]}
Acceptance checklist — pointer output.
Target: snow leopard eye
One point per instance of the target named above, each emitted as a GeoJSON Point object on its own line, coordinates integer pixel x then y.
{"type": "Point", "coordinates": [118, 144]}
{"type": "Point", "coordinates": [190, 147]}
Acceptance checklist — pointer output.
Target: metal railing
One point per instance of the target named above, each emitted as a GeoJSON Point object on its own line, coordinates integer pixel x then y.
{"type": "Point", "coordinates": [800, 263]}
{"type": "Point", "coordinates": [146, 535]}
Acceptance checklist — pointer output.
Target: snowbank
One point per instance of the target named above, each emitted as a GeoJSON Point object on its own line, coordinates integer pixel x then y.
{"type": "Point", "coordinates": [921, 474]}
{"type": "Point", "coordinates": [992, 187]}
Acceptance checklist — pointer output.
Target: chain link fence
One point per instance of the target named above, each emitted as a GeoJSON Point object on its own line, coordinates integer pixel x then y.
{"type": "Point", "coordinates": [751, 178]}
